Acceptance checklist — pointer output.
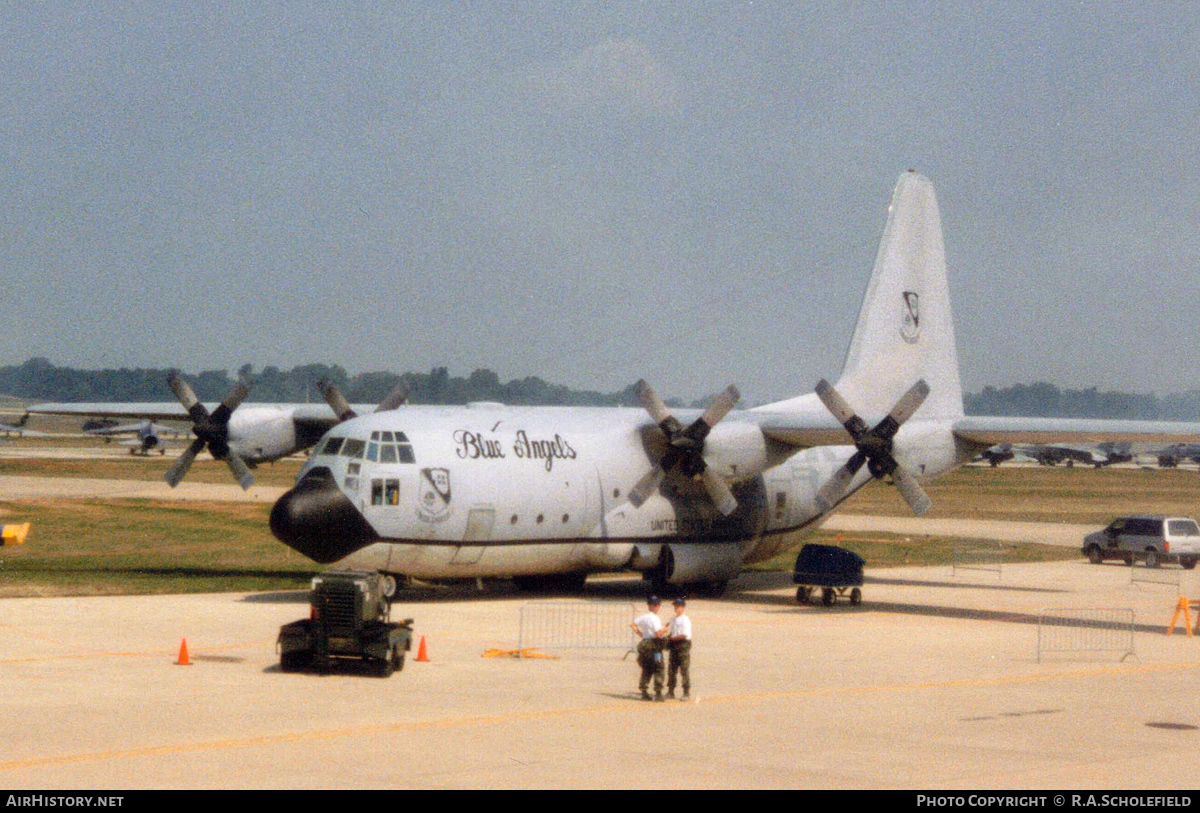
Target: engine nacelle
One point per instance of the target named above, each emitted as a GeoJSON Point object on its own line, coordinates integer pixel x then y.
{"type": "Point", "coordinates": [688, 564]}
{"type": "Point", "coordinates": [258, 434]}
{"type": "Point", "coordinates": [737, 451]}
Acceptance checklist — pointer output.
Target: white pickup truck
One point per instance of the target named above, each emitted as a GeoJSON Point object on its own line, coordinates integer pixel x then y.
{"type": "Point", "coordinates": [1156, 539]}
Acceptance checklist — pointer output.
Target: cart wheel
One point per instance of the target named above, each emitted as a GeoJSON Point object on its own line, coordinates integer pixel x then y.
{"type": "Point", "coordinates": [801, 595]}
{"type": "Point", "coordinates": [856, 597]}
{"type": "Point", "coordinates": [827, 596]}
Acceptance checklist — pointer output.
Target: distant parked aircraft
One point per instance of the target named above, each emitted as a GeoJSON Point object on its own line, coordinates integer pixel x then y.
{"type": "Point", "coordinates": [1097, 455]}
{"type": "Point", "coordinates": [147, 436]}
{"type": "Point", "coordinates": [1171, 456]}
{"type": "Point", "coordinates": [18, 430]}
{"type": "Point", "coordinates": [997, 455]}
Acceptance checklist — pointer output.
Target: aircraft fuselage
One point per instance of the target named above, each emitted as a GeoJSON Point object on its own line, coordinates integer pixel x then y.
{"type": "Point", "coordinates": [490, 490]}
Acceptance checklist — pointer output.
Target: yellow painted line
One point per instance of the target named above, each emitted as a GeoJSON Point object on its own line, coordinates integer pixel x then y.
{"type": "Point", "coordinates": [514, 717]}
{"type": "Point", "coordinates": [967, 683]}
{"type": "Point", "coordinates": [85, 653]}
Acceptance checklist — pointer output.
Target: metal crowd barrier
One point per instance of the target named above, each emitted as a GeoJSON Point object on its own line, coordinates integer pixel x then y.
{"type": "Point", "coordinates": [1169, 576]}
{"type": "Point", "coordinates": [577, 625]}
{"type": "Point", "coordinates": [1086, 629]}
{"type": "Point", "coordinates": [987, 556]}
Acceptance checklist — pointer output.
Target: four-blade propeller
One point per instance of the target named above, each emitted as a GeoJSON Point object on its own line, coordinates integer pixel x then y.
{"type": "Point", "coordinates": [211, 430]}
{"type": "Point", "coordinates": [341, 407]}
{"type": "Point", "coordinates": [685, 447]}
{"type": "Point", "coordinates": [874, 447]}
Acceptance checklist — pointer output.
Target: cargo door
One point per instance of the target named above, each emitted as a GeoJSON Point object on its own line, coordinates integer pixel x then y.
{"type": "Point", "coordinates": [479, 530]}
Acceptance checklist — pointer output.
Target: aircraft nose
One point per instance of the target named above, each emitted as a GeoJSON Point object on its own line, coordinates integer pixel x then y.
{"type": "Point", "coordinates": [318, 520]}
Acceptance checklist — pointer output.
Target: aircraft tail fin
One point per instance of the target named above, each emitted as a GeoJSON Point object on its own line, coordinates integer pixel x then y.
{"type": "Point", "coordinates": [905, 332]}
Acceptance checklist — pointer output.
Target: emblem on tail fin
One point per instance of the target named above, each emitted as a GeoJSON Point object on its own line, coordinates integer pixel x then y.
{"type": "Point", "coordinates": [910, 318]}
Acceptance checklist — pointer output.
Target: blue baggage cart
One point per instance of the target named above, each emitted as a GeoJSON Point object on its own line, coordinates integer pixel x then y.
{"type": "Point", "coordinates": [836, 571]}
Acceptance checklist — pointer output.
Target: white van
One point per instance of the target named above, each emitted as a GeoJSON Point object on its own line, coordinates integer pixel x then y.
{"type": "Point", "coordinates": [1156, 539]}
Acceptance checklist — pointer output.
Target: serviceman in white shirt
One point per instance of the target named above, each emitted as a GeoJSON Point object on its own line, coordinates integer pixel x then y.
{"type": "Point", "coordinates": [679, 644]}
{"type": "Point", "coordinates": [650, 647]}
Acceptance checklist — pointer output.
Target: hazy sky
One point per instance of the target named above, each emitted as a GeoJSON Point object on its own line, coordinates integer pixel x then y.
{"type": "Point", "coordinates": [593, 193]}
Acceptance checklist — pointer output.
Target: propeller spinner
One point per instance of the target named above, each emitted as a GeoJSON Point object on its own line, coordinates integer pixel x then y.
{"type": "Point", "coordinates": [211, 430]}
{"type": "Point", "coordinates": [874, 447]}
{"type": "Point", "coordinates": [685, 447]}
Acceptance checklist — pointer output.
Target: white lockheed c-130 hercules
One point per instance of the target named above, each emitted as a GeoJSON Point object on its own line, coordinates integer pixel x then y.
{"type": "Point", "coordinates": [549, 494]}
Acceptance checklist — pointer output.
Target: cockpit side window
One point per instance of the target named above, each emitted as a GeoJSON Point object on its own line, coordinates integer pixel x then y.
{"type": "Point", "coordinates": [332, 446]}
{"type": "Point", "coordinates": [354, 448]}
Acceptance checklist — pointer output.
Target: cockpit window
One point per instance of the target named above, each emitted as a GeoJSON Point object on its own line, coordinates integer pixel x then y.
{"type": "Point", "coordinates": [332, 445]}
{"type": "Point", "coordinates": [386, 447]}
{"type": "Point", "coordinates": [354, 448]}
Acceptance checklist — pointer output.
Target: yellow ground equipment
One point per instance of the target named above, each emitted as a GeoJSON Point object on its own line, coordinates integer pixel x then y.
{"type": "Point", "coordinates": [14, 534]}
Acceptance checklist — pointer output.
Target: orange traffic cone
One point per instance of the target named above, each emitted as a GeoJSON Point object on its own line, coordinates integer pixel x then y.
{"type": "Point", "coordinates": [183, 656]}
{"type": "Point", "coordinates": [422, 653]}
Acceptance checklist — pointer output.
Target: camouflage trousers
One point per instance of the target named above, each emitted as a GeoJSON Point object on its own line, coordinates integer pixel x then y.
{"type": "Point", "coordinates": [681, 664]}
{"type": "Point", "coordinates": [650, 658]}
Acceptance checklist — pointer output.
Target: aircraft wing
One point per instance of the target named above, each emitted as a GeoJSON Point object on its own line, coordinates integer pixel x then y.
{"type": "Point", "coordinates": [811, 428]}
{"type": "Point", "coordinates": [316, 414]}
{"type": "Point", "coordinates": [989, 431]}
{"type": "Point", "coordinates": [20, 430]}
{"type": "Point", "coordinates": [811, 425]}
{"type": "Point", "coordinates": [161, 411]}
{"type": "Point", "coordinates": [133, 428]}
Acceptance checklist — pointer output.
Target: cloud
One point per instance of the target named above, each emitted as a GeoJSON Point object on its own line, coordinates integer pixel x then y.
{"type": "Point", "coordinates": [616, 75]}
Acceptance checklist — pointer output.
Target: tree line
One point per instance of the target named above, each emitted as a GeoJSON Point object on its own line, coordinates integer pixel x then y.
{"type": "Point", "coordinates": [39, 380]}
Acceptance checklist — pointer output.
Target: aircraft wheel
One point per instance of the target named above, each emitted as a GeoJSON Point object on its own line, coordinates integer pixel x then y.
{"type": "Point", "coordinates": [827, 596]}
{"type": "Point", "coordinates": [802, 595]}
{"type": "Point", "coordinates": [855, 597]}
